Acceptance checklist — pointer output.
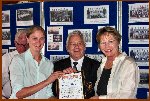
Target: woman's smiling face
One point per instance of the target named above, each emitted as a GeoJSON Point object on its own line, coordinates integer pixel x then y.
{"type": "Point", "coordinates": [36, 41]}
{"type": "Point", "coordinates": [109, 45]}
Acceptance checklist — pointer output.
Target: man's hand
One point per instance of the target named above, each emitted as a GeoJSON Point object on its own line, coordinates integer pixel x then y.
{"type": "Point", "coordinates": [69, 70]}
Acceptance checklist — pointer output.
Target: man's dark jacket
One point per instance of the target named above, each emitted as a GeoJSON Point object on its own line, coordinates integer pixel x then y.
{"type": "Point", "coordinates": [89, 74]}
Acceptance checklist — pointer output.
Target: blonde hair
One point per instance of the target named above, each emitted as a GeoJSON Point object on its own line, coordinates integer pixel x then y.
{"type": "Point", "coordinates": [34, 28]}
{"type": "Point", "coordinates": [109, 30]}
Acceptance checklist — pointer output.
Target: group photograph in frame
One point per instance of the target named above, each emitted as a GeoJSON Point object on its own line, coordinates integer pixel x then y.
{"type": "Point", "coordinates": [24, 17]}
{"type": "Point", "coordinates": [96, 14]}
{"type": "Point", "coordinates": [87, 35]}
{"type": "Point", "coordinates": [138, 12]}
{"type": "Point", "coordinates": [140, 55]}
{"type": "Point", "coordinates": [61, 15]}
{"type": "Point", "coordinates": [6, 37]}
{"type": "Point", "coordinates": [6, 18]}
{"type": "Point", "coordinates": [138, 34]}
{"type": "Point", "coordinates": [144, 78]}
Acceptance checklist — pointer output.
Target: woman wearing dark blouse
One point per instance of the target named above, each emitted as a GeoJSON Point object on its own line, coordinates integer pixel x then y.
{"type": "Point", "coordinates": [118, 74]}
{"type": "Point", "coordinates": [102, 84]}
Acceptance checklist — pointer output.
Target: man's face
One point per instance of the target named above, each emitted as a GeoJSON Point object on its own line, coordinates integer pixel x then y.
{"type": "Point", "coordinates": [21, 43]}
{"type": "Point", "coordinates": [22, 39]}
{"type": "Point", "coordinates": [76, 47]}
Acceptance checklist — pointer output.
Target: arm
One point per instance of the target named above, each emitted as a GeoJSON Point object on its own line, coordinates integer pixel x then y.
{"type": "Point", "coordinates": [5, 70]}
{"type": "Point", "coordinates": [6, 88]}
{"type": "Point", "coordinates": [27, 91]}
{"type": "Point", "coordinates": [55, 83]}
{"type": "Point", "coordinates": [128, 82]}
{"type": "Point", "coordinates": [17, 79]}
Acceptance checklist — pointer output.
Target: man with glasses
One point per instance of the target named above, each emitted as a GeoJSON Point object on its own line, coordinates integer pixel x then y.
{"type": "Point", "coordinates": [21, 46]}
{"type": "Point", "coordinates": [77, 61]}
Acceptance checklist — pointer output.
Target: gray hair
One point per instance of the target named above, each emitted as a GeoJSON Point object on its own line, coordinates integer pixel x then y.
{"type": "Point", "coordinates": [24, 31]}
{"type": "Point", "coordinates": [76, 32]}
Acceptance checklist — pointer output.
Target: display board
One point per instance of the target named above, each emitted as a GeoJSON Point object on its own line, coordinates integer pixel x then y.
{"type": "Point", "coordinates": [62, 17]}
{"type": "Point", "coordinates": [135, 34]}
{"type": "Point", "coordinates": [16, 17]}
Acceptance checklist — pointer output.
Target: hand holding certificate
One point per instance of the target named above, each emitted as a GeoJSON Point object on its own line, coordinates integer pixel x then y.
{"type": "Point", "coordinates": [71, 86]}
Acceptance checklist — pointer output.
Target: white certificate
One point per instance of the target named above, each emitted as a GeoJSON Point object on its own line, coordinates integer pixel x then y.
{"type": "Point", "coordinates": [71, 86]}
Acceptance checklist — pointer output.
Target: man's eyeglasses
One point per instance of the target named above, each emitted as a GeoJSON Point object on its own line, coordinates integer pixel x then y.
{"type": "Point", "coordinates": [76, 44]}
{"type": "Point", "coordinates": [24, 45]}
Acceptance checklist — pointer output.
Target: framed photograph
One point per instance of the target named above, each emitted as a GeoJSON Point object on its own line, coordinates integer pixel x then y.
{"type": "Point", "coordinates": [99, 27]}
{"type": "Point", "coordinates": [87, 34]}
{"type": "Point", "coordinates": [6, 18]}
{"type": "Point", "coordinates": [96, 14]}
{"type": "Point", "coordinates": [20, 29]}
{"type": "Point", "coordinates": [97, 57]}
{"type": "Point", "coordinates": [138, 12]}
{"type": "Point", "coordinates": [144, 78]}
{"type": "Point", "coordinates": [24, 17]}
{"type": "Point", "coordinates": [138, 34]}
{"type": "Point", "coordinates": [61, 15]}
{"type": "Point", "coordinates": [4, 51]}
{"type": "Point", "coordinates": [140, 55]}
{"type": "Point", "coordinates": [71, 86]}
{"type": "Point", "coordinates": [55, 38]}
{"type": "Point", "coordinates": [12, 49]}
{"type": "Point", "coordinates": [6, 37]}
{"type": "Point", "coordinates": [55, 58]}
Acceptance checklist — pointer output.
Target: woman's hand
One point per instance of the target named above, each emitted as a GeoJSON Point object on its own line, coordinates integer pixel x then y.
{"type": "Point", "coordinates": [55, 75]}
